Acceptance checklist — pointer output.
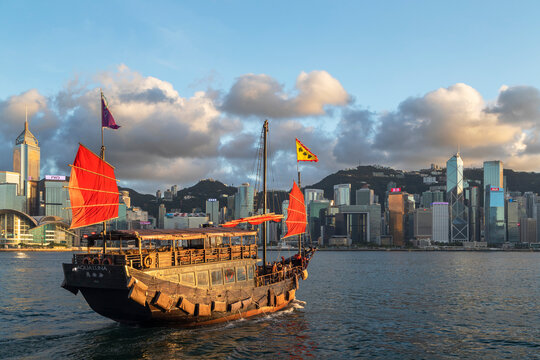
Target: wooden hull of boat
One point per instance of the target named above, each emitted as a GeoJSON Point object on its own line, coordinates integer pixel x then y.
{"type": "Point", "coordinates": [106, 288]}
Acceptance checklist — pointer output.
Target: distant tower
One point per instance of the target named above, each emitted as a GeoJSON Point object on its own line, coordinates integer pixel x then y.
{"type": "Point", "coordinates": [459, 219]}
{"type": "Point", "coordinates": [342, 194]}
{"type": "Point", "coordinates": [26, 156]}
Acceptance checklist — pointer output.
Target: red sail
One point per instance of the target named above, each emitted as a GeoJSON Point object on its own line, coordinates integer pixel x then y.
{"type": "Point", "coordinates": [92, 190]}
{"type": "Point", "coordinates": [296, 212]}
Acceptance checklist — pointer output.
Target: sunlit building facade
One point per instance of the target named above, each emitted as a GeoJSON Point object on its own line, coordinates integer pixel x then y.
{"type": "Point", "coordinates": [342, 194]}
{"type": "Point", "coordinates": [459, 220]}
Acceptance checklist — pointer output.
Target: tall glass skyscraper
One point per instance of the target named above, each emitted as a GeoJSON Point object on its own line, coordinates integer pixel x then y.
{"type": "Point", "coordinates": [26, 157]}
{"type": "Point", "coordinates": [243, 201]}
{"type": "Point", "coordinates": [495, 229]}
{"type": "Point", "coordinates": [493, 175]}
{"type": "Point", "coordinates": [459, 220]}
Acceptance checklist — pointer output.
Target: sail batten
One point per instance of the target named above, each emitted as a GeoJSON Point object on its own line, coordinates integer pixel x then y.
{"type": "Point", "coordinates": [93, 190]}
{"type": "Point", "coordinates": [296, 212]}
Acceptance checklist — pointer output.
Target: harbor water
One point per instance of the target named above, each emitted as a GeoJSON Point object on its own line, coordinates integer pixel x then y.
{"type": "Point", "coordinates": [397, 305]}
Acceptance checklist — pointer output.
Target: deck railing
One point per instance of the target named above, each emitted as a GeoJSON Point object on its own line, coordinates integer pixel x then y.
{"type": "Point", "coordinates": [152, 258]}
{"type": "Point", "coordinates": [277, 276]}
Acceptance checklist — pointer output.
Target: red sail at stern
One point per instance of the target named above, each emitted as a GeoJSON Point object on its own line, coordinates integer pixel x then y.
{"type": "Point", "coordinates": [296, 212]}
{"type": "Point", "coordinates": [92, 190]}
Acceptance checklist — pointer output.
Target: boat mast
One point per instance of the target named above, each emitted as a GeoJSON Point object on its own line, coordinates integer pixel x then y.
{"type": "Point", "coordinates": [265, 132]}
{"type": "Point", "coordinates": [299, 235]}
{"type": "Point", "coordinates": [102, 155]}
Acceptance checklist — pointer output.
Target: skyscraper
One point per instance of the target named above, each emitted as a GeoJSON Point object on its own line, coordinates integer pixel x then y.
{"type": "Point", "coordinates": [493, 176]}
{"type": "Point", "coordinates": [495, 225]}
{"type": "Point", "coordinates": [459, 220]}
{"type": "Point", "coordinates": [26, 158]}
{"type": "Point", "coordinates": [212, 211]}
{"type": "Point", "coordinates": [396, 217]}
{"type": "Point", "coordinates": [365, 196]}
{"type": "Point", "coordinates": [342, 194]}
{"type": "Point", "coordinates": [243, 201]}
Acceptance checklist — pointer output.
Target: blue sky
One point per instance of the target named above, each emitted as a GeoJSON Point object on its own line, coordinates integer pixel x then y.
{"type": "Point", "coordinates": [381, 53]}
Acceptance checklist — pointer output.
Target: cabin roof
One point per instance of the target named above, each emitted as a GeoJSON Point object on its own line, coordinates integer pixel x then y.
{"type": "Point", "coordinates": [187, 234]}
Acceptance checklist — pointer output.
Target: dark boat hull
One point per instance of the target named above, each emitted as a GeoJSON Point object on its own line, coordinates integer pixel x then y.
{"type": "Point", "coordinates": [106, 288]}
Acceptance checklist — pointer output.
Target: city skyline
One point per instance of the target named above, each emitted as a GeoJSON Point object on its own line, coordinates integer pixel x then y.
{"type": "Point", "coordinates": [191, 101]}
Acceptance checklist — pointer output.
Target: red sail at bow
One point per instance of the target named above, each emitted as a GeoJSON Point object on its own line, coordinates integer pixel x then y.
{"type": "Point", "coordinates": [92, 190]}
{"type": "Point", "coordinates": [296, 212]}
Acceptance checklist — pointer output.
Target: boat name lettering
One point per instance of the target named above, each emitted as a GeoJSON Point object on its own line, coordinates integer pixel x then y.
{"type": "Point", "coordinates": [92, 267]}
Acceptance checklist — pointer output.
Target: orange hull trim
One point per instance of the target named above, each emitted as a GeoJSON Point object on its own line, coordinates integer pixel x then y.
{"type": "Point", "coordinates": [247, 314]}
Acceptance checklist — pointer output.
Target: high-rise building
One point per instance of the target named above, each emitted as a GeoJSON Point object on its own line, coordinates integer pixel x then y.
{"type": "Point", "coordinates": [312, 195]}
{"type": "Point", "coordinates": [423, 223]}
{"type": "Point", "coordinates": [243, 201]}
{"type": "Point", "coordinates": [161, 216]}
{"type": "Point", "coordinates": [528, 230]}
{"type": "Point", "coordinates": [459, 220]}
{"type": "Point", "coordinates": [493, 176]}
{"type": "Point", "coordinates": [26, 159]}
{"type": "Point", "coordinates": [212, 211]}
{"type": "Point", "coordinates": [342, 194]}
{"type": "Point", "coordinates": [158, 195]}
{"type": "Point", "coordinates": [396, 216]}
{"type": "Point", "coordinates": [54, 197]}
{"type": "Point", "coordinates": [495, 225]}
{"type": "Point", "coordinates": [440, 221]}
{"type": "Point", "coordinates": [530, 199]}
{"type": "Point", "coordinates": [512, 220]}
{"type": "Point", "coordinates": [284, 208]}
{"type": "Point", "coordinates": [174, 190]}
{"type": "Point", "coordinates": [365, 196]}
{"type": "Point", "coordinates": [475, 218]}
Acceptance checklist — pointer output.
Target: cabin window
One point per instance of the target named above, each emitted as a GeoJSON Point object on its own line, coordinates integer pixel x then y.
{"type": "Point", "coordinates": [188, 278]}
{"type": "Point", "coordinates": [250, 272]}
{"type": "Point", "coordinates": [241, 273]}
{"type": "Point", "coordinates": [217, 277]}
{"type": "Point", "coordinates": [202, 278]}
{"type": "Point", "coordinates": [229, 275]}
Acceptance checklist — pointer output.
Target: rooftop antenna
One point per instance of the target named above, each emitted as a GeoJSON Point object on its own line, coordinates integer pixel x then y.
{"type": "Point", "coordinates": [26, 119]}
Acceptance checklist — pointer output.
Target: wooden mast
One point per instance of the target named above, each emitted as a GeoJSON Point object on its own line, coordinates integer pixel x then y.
{"type": "Point", "coordinates": [102, 155]}
{"type": "Point", "coordinates": [265, 132]}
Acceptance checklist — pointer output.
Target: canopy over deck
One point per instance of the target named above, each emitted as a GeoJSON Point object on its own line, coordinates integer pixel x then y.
{"type": "Point", "coordinates": [181, 234]}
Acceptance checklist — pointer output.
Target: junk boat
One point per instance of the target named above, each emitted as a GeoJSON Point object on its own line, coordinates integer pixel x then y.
{"type": "Point", "coordinates": [194, 277]}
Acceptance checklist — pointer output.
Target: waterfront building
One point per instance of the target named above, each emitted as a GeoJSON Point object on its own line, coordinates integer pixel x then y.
{"type": "Point", "coordinates": [365, 196]}
{"type": "Point", "coordinates": [472, 195]}
{"type": "Point", "coordinates": [284, 208]}
{"type": "Point", "coordinates": [528, 230]}
{"type": "Point", "coordinates": [396, 216]}
{"type": "Point", "coordinates": [459, 220]}
{"type": "Point", "coordinates": [512, 220]}
{"type": "Point", "coordinates": [440, 222]}
{"type": "Point", "coordinates": [243, 201]}
{"type": "Point", "coordinates": [493, 176]}
{"type": "Point", "coordinates": [18, 228]}
{"type": "Point", "coordinates": [423, 223]}
{"type": "Point", "coordinates": [54, 197]}
{"type": "Point", "coordinates": [212, 210]}
{"type": "Point", "coordinates": [158, 195]}
{"type": "Point", "coordinates": [9, 198]}
{"type": "Point", "coordinates": [315, 209]}
{"type": "Point", "coordinates": [360, 223]}
{"type": "Point", "coordinates": [342, 194]}
{"type": "Point", "coordinates": [495, 225]}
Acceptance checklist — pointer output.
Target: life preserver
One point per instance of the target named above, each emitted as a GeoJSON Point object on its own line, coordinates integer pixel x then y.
{"type": "Point", "coordinates": [87, 260]}
{"type": "Point", "coordinates": [304, 275]}
{"type": "Point", "coordinates": [229, 277]}
{"type": "Point", "coordinates": [107, 261]}
{"type": "Point", "coordinates": [147, 261]}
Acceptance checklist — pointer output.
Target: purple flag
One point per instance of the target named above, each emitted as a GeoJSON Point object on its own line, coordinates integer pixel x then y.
{"type": "Point", "coordinates": [107, 120]}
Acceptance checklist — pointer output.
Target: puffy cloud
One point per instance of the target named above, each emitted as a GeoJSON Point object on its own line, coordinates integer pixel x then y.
{"type": "Point", "coordinates": [432, 127]}
{"type": "Point", "coordinates": [261, 95]}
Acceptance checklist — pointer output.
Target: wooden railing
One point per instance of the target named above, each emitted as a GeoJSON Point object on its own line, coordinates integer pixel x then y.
{"type": "Point", "coordinates": [277, 276]}
{"type": "Point", "coordinates": [156, 258]}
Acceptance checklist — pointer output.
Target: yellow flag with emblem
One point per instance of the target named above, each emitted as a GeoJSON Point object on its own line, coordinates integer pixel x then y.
{"type": "Point", "coordinates": [303, 153]}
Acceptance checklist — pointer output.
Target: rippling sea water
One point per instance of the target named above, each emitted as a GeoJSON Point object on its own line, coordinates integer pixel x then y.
{"type": "Point", "coordinates": [400, 305]}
